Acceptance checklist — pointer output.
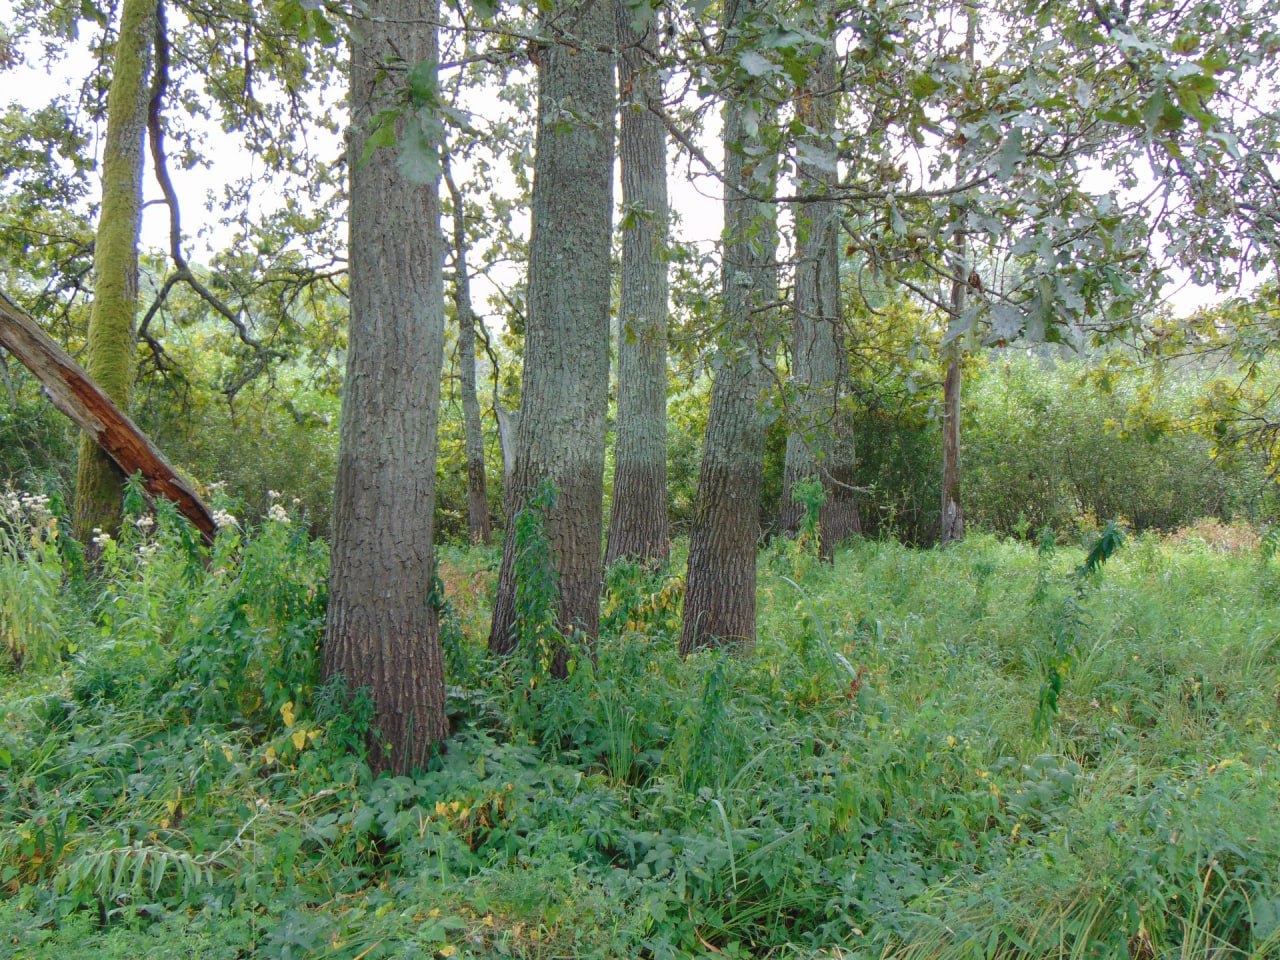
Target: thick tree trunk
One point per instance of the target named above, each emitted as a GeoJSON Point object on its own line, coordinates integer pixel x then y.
{"type": "Point", "coordinates": [109, 350]}
{"type": "Point", "coordinates": [478, 526]}
{"type": "Point", "coordinates": [638, 524]}
{"type": "Point", "coordinates": [566, 358]}
{"type": "Point", "coordinates": [821, 440]}
{"type": "Point", "coordinates": [75, 394]}
{"type": "Point", "coordinates": [383, 633]}
{"type": "Point", "coordinates": [720, 591]}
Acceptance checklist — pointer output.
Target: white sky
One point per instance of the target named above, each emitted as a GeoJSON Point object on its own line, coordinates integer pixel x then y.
{"type": "Point", "coordinates": [696, 200]}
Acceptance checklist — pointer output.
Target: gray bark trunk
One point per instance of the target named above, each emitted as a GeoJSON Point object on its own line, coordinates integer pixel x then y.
{"type": "Point", "coordinates": [639, 525]}
{"type": "Point", "coordinates": [566, 358]}
{"type": "Point", "coordinates": [821, 440]}
{"type": "Point", "coordinates": [478, 526]}
{"type": "Point", "coordinates": [720, 591]}
{"type": "Point", "coordinates": [383, 632]}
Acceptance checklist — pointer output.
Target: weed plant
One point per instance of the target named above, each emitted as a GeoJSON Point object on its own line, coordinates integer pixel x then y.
{"type": "Point", "coordinates": [869, 784]}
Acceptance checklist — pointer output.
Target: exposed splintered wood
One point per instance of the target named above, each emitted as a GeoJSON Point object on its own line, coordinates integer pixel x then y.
{"type": "Point", "coordinates": [75, 394]}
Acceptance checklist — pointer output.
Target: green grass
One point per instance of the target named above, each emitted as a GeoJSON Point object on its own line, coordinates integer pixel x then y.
{"type": "Point", "coordinates": [870, 784]}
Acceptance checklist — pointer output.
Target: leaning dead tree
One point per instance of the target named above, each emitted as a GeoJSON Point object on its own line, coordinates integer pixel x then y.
{"type": "Point", "coordinates": [76, 395]}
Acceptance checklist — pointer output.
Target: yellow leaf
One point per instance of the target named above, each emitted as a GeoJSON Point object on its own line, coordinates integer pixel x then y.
{"type": "Point", "coordinates": [287, 713]}
{"type": "Point", "coordinates": [299, 738]}
{"type": "Point", "coordinates": [448, 950]}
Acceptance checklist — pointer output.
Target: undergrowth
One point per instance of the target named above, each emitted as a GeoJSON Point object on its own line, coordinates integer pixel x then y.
{"type": "Point", "coordinates": [881, 779]}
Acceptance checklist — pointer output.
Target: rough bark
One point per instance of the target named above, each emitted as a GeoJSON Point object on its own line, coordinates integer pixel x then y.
{"type": "Point", "coordinates": [720, 591]}
{"type": "Point", "coordinates": [109, 349]}
{"type": "Point", "coordinates": [478, 527]}
{"type": "Point", "coordinates": [383, 632]}
{"type": "Point", "coordinates": [638, 524]}
{"type": "Point", "coordinates": [72, 391]}
{"type": "Point", "coordinates": [821, 439]}
{"type": "Point", "coordinates": [566, 362]}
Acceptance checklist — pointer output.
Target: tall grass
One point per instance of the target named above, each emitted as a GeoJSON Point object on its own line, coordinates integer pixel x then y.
{"type": "Point", "coordinates": [870, 784]}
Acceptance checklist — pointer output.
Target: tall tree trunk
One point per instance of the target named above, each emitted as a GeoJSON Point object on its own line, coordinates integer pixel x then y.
{"type": "Point", "coordinates": [952, 514]}
{"type": "Point", "coordinates": [383, 633]}
{"type": "Point", "coordinates": [952, 525]}
{"type": "Point", "coordinates": [821, 440]}
{"type": "Point", "coordinates": [478, 526]}
{"type": "Point", "coordinates": [566, 358]}
{"type": "Point", "coordinates": [720, 591]}
{"type": "Point", "coordinates": [109, 351]}
{"type": "Point", "coordinates": [638, 524]}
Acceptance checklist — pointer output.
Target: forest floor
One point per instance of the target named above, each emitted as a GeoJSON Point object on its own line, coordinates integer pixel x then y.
{"type": "Point", "coordinates": [982, 752]}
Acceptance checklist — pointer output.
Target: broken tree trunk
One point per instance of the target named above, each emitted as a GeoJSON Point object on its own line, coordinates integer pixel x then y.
{"type": "Point", "coordinates": [72, 392]}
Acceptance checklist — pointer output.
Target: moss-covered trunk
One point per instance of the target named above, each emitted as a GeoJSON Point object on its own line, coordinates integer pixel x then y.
{"type": "Point", "coordinates": [109, 353]}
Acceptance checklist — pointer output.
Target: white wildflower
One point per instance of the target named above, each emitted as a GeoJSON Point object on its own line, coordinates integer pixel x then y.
{"type": "Point", "coordinates": [273, 494]}
{"type": "Point", "coordinates": [223, 519]}
{"type": "Point", "coordinates": [278, 513]}
{"type": "Point", "coordinates": [144, 522]}
{"type": "Point", "coordinates": [100, 537]}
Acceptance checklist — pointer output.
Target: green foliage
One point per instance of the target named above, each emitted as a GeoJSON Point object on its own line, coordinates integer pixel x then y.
{"type": "Point", "coordinates": [1052, 445]}
{"type": "Point", "coordinates": [252, 645]}
{"type": "Point", "coordinates": [1066, 624]}
{"type": "Point", "coordinates": [31, 581]}
{"type": "Point", "coordinates": [1062, 443]}
{"type": "Point", "coordinates": [866, 785]}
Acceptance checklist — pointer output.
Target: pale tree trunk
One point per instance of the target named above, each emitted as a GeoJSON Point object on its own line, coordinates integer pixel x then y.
{"type": "Point", "coordinates": [638, 524]}
{"type": "Point", "coordinates": [508, 427]}
{"type": "Point", "coordinates": [109, 350]}
{"type": "Point", "coordinates": [821, 440]}
{"type": "Point", "coordinates": [560, 437]}
{"type": "Point", "coordinates": [383, 633]}
{"type": "Point", "coordinates": [952, 524]}
{"type": "Point", "coordinates": [952, 514]}
{"type": "Point", "coordinates": [478, 526]}
{"type": "Point", "coordinates": [720, 591]}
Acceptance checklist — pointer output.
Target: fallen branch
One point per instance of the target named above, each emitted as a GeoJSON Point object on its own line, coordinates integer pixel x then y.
{"type": "Point", "coordinates": [76, 395]}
